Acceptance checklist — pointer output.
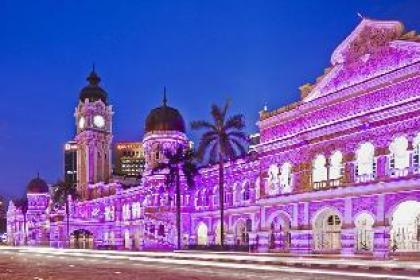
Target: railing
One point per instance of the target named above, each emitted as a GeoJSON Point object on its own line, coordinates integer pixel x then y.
{"type": "Point", "coordinates": [399, 172]}
{"type": "Point", "coordinates": [327, 184]}
{"type": "Point", "coordinates": [364, 178]}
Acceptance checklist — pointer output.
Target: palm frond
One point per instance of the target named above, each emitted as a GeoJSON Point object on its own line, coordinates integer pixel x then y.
{"type": "Point", "coordinates": [204, 145]}
{"type": "Point", "coordinates": [227, 148]}
{"type": "Point", "coordinates": [239, 146]}
{"type": "Point", "coordinates": [218, 116]}
{"type": "Point", "coordinates": [197, 125]}
{"type": "Point", "coordinates": [214, 153]}
{"type": "Point", "coordinates": [226, 108]}
{"type": "Point", "coordinates": [235, 122]}
{"type": "Point", "coordinates": [240, 135]}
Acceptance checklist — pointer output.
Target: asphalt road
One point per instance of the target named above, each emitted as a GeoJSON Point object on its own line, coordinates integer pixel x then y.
{"type": "Point", "coordinates": [17, 265]}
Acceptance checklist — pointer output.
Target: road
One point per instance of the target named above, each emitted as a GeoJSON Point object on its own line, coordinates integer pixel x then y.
{"type": "Point", "coordinates": [15, 264]}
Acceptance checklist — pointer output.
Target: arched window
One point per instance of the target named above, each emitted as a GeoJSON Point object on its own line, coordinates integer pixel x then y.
{"type": "Point", "coordinates": [206, 198]}
{"type": "Point", "coordinates": [416, 153]}
{"type": "Point", "coordinates": [365, 163]}
{"type": "Point", "coordinates": [399, 159]}
{"type": "Point", "coordinates": [319, 172]}
{"type": "Point", "coordinates": [364, 234]}
{"type": "Point", "coordinates": [286, 177]}
{"type": "Point", "coordinates": [336, 168]}
{"type": "Point", "coordinates": [109, 213]}
{"type": "Point", "coordinates": [237, 193]}
{"type": "Point", "coordinates": [126, 212]}
{"type": "Point", "coordinates": [273, 179]}
{"type": "Point", "coordinates": [136, 210]}
{"type": "Point", "coordinates": [246, 192]}
{"type": "Point", "coordinates": [216, 196]}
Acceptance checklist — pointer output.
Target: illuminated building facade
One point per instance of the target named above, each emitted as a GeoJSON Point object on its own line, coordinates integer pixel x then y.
{"type": "Point", "coordinates": [336, 172]}
{"type": "Point", "coordinates": [129, 159]}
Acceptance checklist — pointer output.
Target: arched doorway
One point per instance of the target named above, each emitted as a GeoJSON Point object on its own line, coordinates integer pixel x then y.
{"type": "Point", "coordinates": [280, 237]}
{"type": "Point", "coordinates": [364, 232]}
{"type": "Point", "coordinates": [127, 240]}
{"type": "Point", "coordinates": [243, 228]}
{"type": "Point", "coordinates": [202, 236]}
{"type": "Point", "coordinates": [217, 234]}
{"type": "Point", "coordinates": [327, 231]}
{"type": "Point", "coordinates": [82, 239]}
{"type": "Point", "coordinates": [405, 227]}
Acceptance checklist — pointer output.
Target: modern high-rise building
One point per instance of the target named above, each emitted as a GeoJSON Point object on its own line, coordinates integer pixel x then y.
{"type": "Point", "coordinates": [129, 159]}
{"type": "Point", "coordinates": [70, 162]}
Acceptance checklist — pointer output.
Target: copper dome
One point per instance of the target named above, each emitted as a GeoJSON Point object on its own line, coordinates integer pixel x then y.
{"type": "Point", "coordinates": [164, 118]}
{"type": "Point", "coordinates": [37, 185]}
{"type": "Point", "coordinates": [93, 91]}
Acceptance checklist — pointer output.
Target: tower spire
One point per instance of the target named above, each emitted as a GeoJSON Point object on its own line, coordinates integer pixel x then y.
{"type": "Point", "coordinates": [93, 78]}
{"type": "Point", "coordinates": [165, 100]}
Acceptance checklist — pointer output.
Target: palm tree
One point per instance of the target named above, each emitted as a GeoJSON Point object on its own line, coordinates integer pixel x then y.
{"type": "Point", "coordinates": [223, 140]}
{"type": "Point", "coordinates": [62, 191]}
{"type": "Point", "coordinates": [181, 160]}
{"type": "Point", "coordinates": [22, 204]}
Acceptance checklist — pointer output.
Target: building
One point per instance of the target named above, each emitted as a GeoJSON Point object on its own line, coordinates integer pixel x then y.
{"type": "Point", "coordinates": [93, 116]}
{"type": "Point", "coordinates": [129, 159]}
{"type": "Point", "coordinates": [70, 162]}
{"type": "Point", "coordinates": [335, 172]}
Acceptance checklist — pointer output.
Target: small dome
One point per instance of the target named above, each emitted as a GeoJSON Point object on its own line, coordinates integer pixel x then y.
{"type": "Point", "coordinates": [93, 91]}
{"type": "Point", "coordinates": [37, 185]}
{"type": "Point", "coordinates": [164, 118]}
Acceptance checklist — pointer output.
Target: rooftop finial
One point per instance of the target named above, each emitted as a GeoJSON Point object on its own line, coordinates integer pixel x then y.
{"type": "Point", "coordinates": [165, 100]}
{"type": "Point", "coordinates": [37, 175]}
{"type": "Point", "coordinates": [93, 78]}
{"type": "Point", "coordinates": [360, 15]}
{"type": "Point", "coordinates": [265, 108]}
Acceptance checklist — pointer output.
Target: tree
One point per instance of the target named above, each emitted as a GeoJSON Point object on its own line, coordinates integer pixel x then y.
{"type": "Point", "coordinates": [22, 204]}
{"type": "Point", "coordinates": [3, 213]}
{"type": "Point", "coordinates": [62, 192]}
{"type": "Point", "coordinates": [181, 160]}
{"type": "Point", "coordinates": [223, 140]}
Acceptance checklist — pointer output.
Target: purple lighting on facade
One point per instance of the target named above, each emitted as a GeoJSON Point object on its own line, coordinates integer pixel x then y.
{"type": "Point", "coordinates": [333, 171]}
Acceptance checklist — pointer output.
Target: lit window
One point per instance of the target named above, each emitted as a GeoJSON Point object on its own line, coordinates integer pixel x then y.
{"type": "Point", "coordinates": [136, 210]}
{"type": "Point", "coordinates": [109, 213]}
{"type": "Point", "coordinates": [399, 159]}
{"type": "Point", "coordinates": [286, 177]}
{"type": "Point", "coordinates": [126, 212]}
{"type": "Point", "coordinates": [365, 162]}
{"type": "Point", "coordinates": [416, 153]}
{"type": "Point", "coordinates": [319, 171]}
{"type": "Point", "coordinates": [336, 166]}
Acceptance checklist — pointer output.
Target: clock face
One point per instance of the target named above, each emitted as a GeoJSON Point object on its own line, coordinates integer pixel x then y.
{"type": "Point", "coordinates": [99, 121]}
{"type": "Point", "coordinates": [82, 123]}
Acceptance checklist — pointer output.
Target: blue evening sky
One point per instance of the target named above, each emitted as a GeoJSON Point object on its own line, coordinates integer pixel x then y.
{"type": "Point", "coordinates": [254, 52]}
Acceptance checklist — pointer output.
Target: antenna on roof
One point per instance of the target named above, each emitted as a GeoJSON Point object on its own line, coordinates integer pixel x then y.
{"type": "Point", "coordinates": [93, 67]}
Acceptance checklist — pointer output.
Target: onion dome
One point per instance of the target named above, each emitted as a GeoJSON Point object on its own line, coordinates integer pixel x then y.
{"type": "Point", "coordinates": [37, 185]}
{"type": "Point", "coordinates": [164, 118]}
{"type": "Point", "coordinates": [93, 91]}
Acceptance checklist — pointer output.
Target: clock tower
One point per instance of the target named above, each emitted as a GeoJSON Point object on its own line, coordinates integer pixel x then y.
{"type": "Point", "coordinates": [93, 117]}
